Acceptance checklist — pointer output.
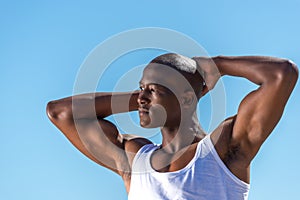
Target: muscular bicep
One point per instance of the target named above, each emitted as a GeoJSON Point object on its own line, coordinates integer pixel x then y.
{"type": "Point", "coordinates": [103, 141]}
{"type": "Point", "coordinates": [97, 139]}
{"type": "Point", "coordinates": [258, 114]}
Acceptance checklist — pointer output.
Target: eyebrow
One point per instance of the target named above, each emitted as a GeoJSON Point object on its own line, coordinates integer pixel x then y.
{"type": "Point", "coordinates": [158, 85]}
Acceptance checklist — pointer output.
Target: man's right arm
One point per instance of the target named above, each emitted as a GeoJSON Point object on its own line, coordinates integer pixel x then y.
{"type": "Point", "coordinates": [81, 120]}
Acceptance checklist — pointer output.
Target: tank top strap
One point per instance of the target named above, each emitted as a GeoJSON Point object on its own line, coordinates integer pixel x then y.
{"type": "Point", "coordinates": [141, 162]}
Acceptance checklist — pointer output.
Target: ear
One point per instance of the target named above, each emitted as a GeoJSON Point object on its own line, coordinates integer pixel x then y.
{"type": "Point", "coordinates": [188, 99]}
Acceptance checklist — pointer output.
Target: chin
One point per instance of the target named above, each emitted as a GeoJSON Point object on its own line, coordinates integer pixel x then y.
{"type": "Point", "coordinates": [146, 125]}
{"type": "Point", "coordinates": [149, 124]}
{"type": "Point", "coordinates": [146, 122]}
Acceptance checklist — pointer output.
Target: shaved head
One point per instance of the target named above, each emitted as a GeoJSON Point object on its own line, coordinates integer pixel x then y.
{"type": "Point", "coordinates": [186, 66]}
{"type": "Point", "coordinates": [180, 62]}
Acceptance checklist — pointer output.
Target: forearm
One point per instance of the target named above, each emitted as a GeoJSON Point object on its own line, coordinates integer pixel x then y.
{"type": "Point", "coordinates": [257, 69]}
{"type": "Point", "coordinates": [91, 105]}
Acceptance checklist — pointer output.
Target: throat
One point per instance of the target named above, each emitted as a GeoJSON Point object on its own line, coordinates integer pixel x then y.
{"type": "Point", "coordinates": [178, 138]}
{"type": "Point", "coordinates": [178, 143]}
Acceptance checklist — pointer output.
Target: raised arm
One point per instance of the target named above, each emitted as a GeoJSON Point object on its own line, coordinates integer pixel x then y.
{"type": "Point", "coordinates": [81, 119]}
{"type": "Point", "coordinates": [260, 110]}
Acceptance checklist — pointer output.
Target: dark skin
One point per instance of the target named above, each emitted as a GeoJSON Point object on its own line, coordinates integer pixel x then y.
{"type": "Point", "coordinates": [171, 106]}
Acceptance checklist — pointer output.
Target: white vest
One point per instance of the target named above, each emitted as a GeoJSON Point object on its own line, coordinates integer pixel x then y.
{"type": "Point", "coordinates": [205, 177]}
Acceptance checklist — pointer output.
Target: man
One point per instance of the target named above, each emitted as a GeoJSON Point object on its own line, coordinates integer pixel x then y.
{"type": "Point", "coordinates": [188, 164]}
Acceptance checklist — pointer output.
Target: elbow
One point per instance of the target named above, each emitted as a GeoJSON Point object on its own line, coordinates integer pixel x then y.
{"type": "Point", "coordinates": [288, 72]}
{"type": "Point", "coordinates": [293, 70]}
{"type": "Point", "coordinates": [51, 111]}
{"type": "Point", "coordinates": [56, 111]}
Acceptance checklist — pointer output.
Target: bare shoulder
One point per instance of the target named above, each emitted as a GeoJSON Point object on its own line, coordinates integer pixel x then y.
{"type": "Point", "coordinates": [132, 144]}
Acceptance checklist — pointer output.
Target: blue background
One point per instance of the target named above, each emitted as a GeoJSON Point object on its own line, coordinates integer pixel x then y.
{"type": "Point", "coordinates": [43, 43]}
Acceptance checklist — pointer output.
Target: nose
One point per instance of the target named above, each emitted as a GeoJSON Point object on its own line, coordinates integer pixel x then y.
{"type": "Point", "coordinates": [143, 98]}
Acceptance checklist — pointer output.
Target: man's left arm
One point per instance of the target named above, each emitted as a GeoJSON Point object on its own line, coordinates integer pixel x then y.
{"type": "Point", "coordinates": [261, 109]}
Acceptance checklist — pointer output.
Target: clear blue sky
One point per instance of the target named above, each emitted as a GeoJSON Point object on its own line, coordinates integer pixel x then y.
{"type": "Point", "coordinates": [43, 44]}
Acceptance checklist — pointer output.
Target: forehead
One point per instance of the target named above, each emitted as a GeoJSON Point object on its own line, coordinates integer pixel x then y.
{"type": "Point", "coordinates": [163, 75]}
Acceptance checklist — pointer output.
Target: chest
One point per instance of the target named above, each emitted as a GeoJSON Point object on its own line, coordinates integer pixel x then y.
{"type": "Point", "coordinates": [169, 162]}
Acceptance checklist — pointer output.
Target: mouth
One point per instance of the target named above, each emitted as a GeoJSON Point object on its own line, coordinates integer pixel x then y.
{"type": "Point", "coordinates": [143, 111]}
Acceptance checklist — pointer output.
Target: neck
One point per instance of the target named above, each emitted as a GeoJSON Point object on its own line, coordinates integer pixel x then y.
{"type": "Point", "coordinates": [178, 137]}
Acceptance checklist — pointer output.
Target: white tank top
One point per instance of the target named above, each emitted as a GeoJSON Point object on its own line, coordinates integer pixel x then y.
{"type": "Point", "coordinates": [205, 177]}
